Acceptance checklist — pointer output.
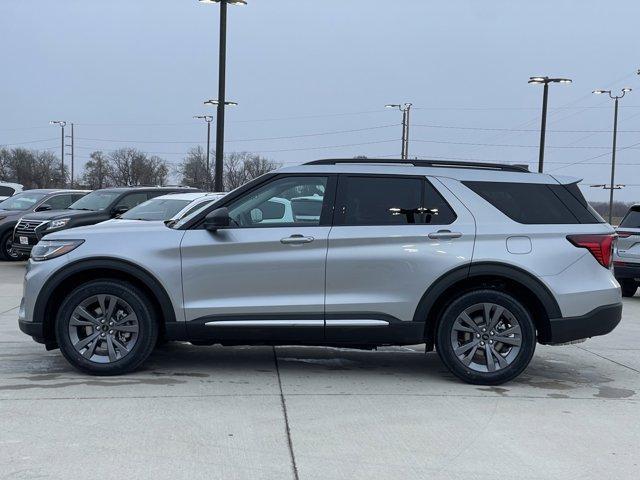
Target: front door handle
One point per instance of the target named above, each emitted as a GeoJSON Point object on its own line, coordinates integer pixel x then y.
{"type": "Point", "coordinates": [296, 239]}
{"type": "Point", "coordinates": [444, 234]}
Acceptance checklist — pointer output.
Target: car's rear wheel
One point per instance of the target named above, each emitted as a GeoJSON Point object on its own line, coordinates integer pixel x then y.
{"type": "Point", "coordinates": [106, 328]}
{"type": "Point", "coordinates": [628, 287]}
{"type": "Point", "coordinates": [486, 337]}
{"type": "Point", "coordinates": [6, 248]}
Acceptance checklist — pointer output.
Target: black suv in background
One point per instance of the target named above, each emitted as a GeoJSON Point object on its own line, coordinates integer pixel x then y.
{"type": "Point", "coordinates": [30, 201]}
{"type": "Point", "coordinates": [96, 207]}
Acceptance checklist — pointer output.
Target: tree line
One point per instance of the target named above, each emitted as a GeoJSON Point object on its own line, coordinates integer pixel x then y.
{"type": "Point", "coordinates": [129, 167]}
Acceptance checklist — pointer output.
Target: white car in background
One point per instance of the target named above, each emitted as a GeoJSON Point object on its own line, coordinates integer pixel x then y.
{"type": "Point", "coordinates": [9, 189]}
{"type": "Point", "coordinates": [173, 206]}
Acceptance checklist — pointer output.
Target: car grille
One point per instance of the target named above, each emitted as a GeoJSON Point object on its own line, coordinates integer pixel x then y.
{"type": "Point", "coordinates": [28, 226]}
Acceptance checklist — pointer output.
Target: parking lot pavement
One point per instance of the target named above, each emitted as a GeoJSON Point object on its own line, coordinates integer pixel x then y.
{"type": "Point", "coordinates": [214, 412]}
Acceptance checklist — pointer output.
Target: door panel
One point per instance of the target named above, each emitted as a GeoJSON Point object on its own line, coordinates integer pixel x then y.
{"type": "Point", "coordinates": [263, 277]}
{"type": "Point", "coordinates": [385, 269]}
{"type": "Point", "coordinates": [244, 271]}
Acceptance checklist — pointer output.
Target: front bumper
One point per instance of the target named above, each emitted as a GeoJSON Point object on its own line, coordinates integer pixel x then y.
{"type": "Point", "coordinates": [626, 270]}
{"type": "Point", "coordinates": [599, 321]}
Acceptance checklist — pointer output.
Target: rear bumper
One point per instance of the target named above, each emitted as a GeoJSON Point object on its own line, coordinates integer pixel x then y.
{"type": "Point", "coordinates": [625, 270]}
{"type": "Point", "coordinates": [599, 321]}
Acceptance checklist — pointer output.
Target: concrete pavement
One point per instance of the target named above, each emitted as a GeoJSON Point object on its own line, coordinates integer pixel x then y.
{"type": "Point", "coordinates": [317, 413]}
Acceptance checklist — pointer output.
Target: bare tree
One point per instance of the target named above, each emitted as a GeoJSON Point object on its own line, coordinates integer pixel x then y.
{"type": "Point", "coordinates": [32, 168]}
{"type": "Point", "coordinates": [242, 167]}
{"type": "Point", "coordinates": [134, 167]}
{"type": "Point", "coordinates": [194, 169]}
{"type": "Point", "coordinates": [98, 172]}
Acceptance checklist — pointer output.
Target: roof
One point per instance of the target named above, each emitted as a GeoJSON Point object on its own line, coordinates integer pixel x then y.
{"type": "Point", "coordinates": [48, 191]}
{"type": "Point", "coordinates": [152, 188]}
{"type": "Point", "coordinates": [463, 171]}
{"type": "Point", "coordinates": [191, 196]}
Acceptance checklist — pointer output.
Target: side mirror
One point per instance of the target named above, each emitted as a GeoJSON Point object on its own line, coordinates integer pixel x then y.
{"type": "Point", "coordinates": [44, 207]}
{"type": "Point", "coordinates": [217, 219]}
{"type": "Point", "coordinates": [119, 210]}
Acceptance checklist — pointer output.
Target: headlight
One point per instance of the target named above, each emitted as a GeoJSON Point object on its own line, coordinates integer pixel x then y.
{"type": "Point", "coordinates": [53, 224]}
{"type": "Point", "coordinates": [48, 249]}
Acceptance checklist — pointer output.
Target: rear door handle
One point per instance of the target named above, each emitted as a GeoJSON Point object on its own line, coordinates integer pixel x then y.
{"type": "Point", "coordinates": [296, 240]}
{"type": "Point", "coordinates": [445, 234]}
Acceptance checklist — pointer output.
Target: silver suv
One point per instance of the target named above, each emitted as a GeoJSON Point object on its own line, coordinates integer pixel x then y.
{"type": "Point", "coordinates": [626, 257]}
{"type": "Point", "coordinates": [480, 261]}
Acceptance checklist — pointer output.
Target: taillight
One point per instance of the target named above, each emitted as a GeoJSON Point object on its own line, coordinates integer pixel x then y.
{"type": "Point", "coordinates": [600, 246]}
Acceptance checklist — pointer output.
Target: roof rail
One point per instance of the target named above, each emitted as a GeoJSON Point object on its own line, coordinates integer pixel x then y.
{"type": "Point", "coordinates": [423, 163]}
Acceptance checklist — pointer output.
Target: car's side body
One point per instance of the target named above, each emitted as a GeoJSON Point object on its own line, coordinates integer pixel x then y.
{"type": "Point", "coordinates": [626, 256]}
{"type": "Point", "coordinates": [350, 285]}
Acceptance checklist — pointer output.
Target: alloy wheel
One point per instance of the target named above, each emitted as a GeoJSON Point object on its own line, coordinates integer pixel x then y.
{"type": "Point", "coordinates": [486, 337]}
{"type": "Point", "coordinates": [103, 328]}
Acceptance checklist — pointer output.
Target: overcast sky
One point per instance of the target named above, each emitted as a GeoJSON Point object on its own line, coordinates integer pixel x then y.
{"type": "Point", "coordinates": [133, 73]}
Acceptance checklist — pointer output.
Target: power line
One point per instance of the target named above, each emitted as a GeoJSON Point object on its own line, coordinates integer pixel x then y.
{"type": "Point", "coordinates": [318, 134]}
{"type": "Point", "coordinates": [28, 142]}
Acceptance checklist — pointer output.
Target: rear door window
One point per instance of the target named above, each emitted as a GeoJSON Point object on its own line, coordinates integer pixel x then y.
{"type": "Point", "coordinates": [397, 200]}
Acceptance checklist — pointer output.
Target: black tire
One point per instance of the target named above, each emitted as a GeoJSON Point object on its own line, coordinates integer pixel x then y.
{"type": "Point", "coordinates": [628, 287]}
{"type": "Point", "coordinates": [447, 335]}
{"type": "Point", "coordinates": [6, 253]}
{"type": "Point", "coordinates": [147, 333]}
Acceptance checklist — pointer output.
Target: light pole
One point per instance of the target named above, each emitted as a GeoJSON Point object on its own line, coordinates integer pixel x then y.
{"type": "Point", "coordinates": [406, 110]}
{"type": "Point", "coordinates": [222, 60]}
{"type": "Point", "coordinates": [612, 186]}
{"type": "Point", "coordinates": [61, 124]}
{"type": "Point", "coordinates": [545, 95]}
{"type": "Point", "coordinates": [217, 177]}
{"type": "Point", "coordinates": [208, 119]}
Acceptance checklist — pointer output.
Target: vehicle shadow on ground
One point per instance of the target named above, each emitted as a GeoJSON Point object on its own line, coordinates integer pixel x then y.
{"type": "Point", "coordinates": [396, 370]}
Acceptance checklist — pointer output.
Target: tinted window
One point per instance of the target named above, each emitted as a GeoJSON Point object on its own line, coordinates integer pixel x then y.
{"type": "Point", "coordinates": [631, 219]}
{"type": "Point", "coordinates": [390, 201]}
{"type": "Point", "coordinates": [6, 191]}
{"type": "Point", "coordinates": [531, 203]}
{"type": "Point", "coordinates": [21, 201]}
{"type": "Point", "coordinates": [273, 204]}
{"type": "Point", "coordinates": [59, 202]}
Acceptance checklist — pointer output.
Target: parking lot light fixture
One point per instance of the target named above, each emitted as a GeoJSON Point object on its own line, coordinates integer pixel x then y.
{"type": "Point", "coordinates": [406, 110]}
{"type": "Point", "coordinates": [222, 62]}
{"type": "Point", "coordinates": [208, 119]}
{"type": "Point", "coordinates": [61, 124]}
{"type": "Point", "coordinates": [543, 124]}
{"type": "Point", "coordinates": [612, 186]}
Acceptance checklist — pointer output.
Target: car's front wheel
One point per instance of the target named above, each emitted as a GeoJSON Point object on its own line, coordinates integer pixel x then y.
{"type": "Point", "coordinates": [106, 327]}
{"type": "Point", "coordinates": [629, 287]}
{"type": "Point", "coordinates": [6, 248]}
{"type": "Point", "coordinates": [486, 337]}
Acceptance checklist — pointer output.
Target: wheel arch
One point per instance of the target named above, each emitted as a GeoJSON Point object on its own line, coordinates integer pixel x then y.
{"type": "Point", "coordinates": [511, 279]}
{"type": "Point", "coordinates": [74, 274]}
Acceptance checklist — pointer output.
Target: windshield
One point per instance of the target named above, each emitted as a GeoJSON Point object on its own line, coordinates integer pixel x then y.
{"type": "Point", "coordinates": [194, 211]}
{"type": "Point", "coordinates": [98, 200]}
{"type": "Point", "coordinates": [155, 209]}
{"type": "Point", "coordinates": [21, 201]}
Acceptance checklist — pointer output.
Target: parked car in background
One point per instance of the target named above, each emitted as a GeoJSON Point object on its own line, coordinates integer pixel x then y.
{"type": "Point", "coordinates": [626, 259]}
{"type": "Point", "coordinates": [9, 189]}
{"type": "Point", "coordinates": [482, 261]}
{"type": "Point", "coordinates": [98, 206]}
{"type": "Point", "coordinates": [169, 207]}
{"type": "Point", "coordinates": [30, 201]}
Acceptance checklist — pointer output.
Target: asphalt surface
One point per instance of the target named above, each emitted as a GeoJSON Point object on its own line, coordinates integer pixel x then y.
{"type": "Point", "coordinates": [317, 413]}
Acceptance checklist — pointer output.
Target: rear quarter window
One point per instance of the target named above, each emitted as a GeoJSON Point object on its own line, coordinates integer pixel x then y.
{"type": "Point", "coordinates": [631, 219]}
{"type": "Point", "coordinates": [533, 203]}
